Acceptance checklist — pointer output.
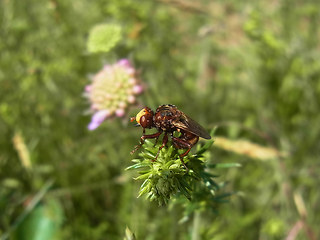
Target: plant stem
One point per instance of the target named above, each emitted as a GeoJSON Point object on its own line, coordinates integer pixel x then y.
{"type": "Point", "coordinates": [196, 225]}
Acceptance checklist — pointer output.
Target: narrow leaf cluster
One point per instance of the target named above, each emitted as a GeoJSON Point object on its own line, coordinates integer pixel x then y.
{"type": "Point", "coordinates": [166, 178]}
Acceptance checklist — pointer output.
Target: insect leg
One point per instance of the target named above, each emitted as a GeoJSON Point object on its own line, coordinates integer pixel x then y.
{"type": "Point", "coordinates": [184, 144]}
{"type": "Point", "coordinates": [155, 143]}
{"type": "Point", "coordinates": [143, 137]}
{"type": "Point", "coordinates": [181, 143]}
{"type": "Point", "coordinates": [164, 142]}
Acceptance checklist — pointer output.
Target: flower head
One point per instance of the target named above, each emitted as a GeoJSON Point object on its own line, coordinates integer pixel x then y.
{"type": "Point", "coordinates": [111, 91]}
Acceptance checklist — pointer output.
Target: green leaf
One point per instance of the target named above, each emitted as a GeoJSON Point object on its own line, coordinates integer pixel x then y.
{"type": "Point", "coordinates": [129, 235]}
{"type": "Point", "coordinates": [147, 155]}
{"type": "Point", "coordinates": [205, 147]}
{"type": "Point", "coordinates": [143, 176]}
{"type": "Point", "coordinates": [169, 163]}
{"type": "Point", "coordinates": [224, 165]}
{"type": "Point", "coordinates": [222, 198]}
{"type": "Point", "coordinates": [137, 165]}
{"type": "Point", "coordinates": [103, 37]}
{"type": "Point", "coordinates": [145, 188]}
{"type": "Point", "coordinates": [42, 223]}
{"type": "Point", "coordinates": [183, 190]}
{"type": "Point", "coordinates": [136, 160]}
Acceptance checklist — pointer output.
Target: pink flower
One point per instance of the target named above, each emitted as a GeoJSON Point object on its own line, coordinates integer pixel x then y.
{"type": "Point", "coordinates": [112, 91]}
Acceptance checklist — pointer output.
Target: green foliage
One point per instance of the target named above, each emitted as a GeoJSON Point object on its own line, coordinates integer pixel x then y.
{"type": "Point", "coordinates": [167, 177]}
{"type": "Point", "coordinates": [129, 235]}
{"type": "Point", "coordinates": [42, 223]}
{"type": "Point", "coordinates": [103, 37]}
{"type": "Point", "coordinates": [163, 177]}
{"type": "Point", "coordinates": [250, 67]}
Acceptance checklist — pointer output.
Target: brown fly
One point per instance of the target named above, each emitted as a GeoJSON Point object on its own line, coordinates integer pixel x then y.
{"type": "Point", "coordinates": [168, 119]}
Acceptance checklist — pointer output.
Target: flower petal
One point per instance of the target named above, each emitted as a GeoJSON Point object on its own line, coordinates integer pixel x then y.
{"type": "Point", "coordinates": [98, 118]}
{"type": "Point", "coordinates": [137, 89]}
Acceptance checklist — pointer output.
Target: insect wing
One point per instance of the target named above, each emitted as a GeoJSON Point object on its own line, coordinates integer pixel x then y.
{"type": "Point", "coordinates": [188, 124]}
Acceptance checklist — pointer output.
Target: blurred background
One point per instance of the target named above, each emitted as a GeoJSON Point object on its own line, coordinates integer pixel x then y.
{"type": "Point", "coordinates": [249, 68]}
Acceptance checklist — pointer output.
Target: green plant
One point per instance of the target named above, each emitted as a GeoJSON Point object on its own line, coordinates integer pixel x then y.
{"type": "Point", "coordinates": [166, 178]}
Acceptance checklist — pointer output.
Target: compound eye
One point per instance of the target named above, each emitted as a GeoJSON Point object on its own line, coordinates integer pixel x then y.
{"type": "Point", "coordinates": [145, 122]}
{"type": "Point", "coordinates": [145, 118]}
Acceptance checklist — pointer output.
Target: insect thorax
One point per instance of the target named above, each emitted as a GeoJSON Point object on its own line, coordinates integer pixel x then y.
{"type": "Point", "coordinates": [165, 116]}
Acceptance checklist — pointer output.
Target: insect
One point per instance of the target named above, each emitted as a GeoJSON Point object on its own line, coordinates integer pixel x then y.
{"type": "Point", "coordinates": [168, 119]}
